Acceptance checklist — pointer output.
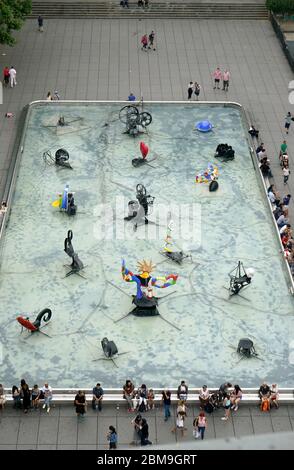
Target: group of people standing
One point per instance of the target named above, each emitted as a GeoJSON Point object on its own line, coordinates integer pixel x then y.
{"type": "Point", "coordinates": [9, 76]}
{"type": "Point", "coordinates": [193, 88]}
{"type": "Point", "coordinates": [148, 42]}
{"type": "Point", "coordinates": [225, 76]}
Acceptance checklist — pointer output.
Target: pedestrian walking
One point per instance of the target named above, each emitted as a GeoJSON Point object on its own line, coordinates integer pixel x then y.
{"type": "Point", "coordinates": [40, 24]}
{"type": "Point", "coordinates": [48, 395]}
{"type": "Point", "coordinates": [199, 425]}
{"type": "Point", "coordinates": [190, 90]}
{"type": "Point", "coordinates": [286, 173]}
{"type": "Point", "coordinates": [151, 40]}
{"type": "Point", "coordinates": [12, 76]}
{"type": "Point", "coordinates": [283, 148]}
{"type": "Point", "coordinates": [217, 75]}
{"type": "Point", "coordinates": [144, 42]}
{"type": "Point", "coordinates": [226, 79]}
{"type": "Point", "coordinates": [166, 400]}
{"type": "Point", "coordinates": [80, 404]}
{"type": "Point", "coordinates": [180, 422]}
{"type": "Point", "coordinates": [112, 437]}
{"type": "Point", "coordinates": [6, 76]}
{"type": "Point", "coordinates": [197, 90]}
{"type": "Point", "coordinates": [288, 120]}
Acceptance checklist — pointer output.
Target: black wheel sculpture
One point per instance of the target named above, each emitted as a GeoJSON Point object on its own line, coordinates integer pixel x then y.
{"type": "Point", "coordinates": [141, 190]}
{"type": "Point", "coordinates": [145, 119]}
{"type": "Point", "coordinates": [128, 113]}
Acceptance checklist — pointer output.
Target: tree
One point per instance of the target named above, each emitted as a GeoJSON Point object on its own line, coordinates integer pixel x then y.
{"type": "Point", "coordinates": [12, 16]}
{"type": "Point", "coordinates": [280, 6]}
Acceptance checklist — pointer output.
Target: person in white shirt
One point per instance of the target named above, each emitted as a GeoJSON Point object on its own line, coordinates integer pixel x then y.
{"type": "Point", "coordinates": [286, 173]}
{"type": "Point", "coordinates": [226, 79]}
{"type": "Point", "coordinates": [204, 395]}
{"type": "Point", "coordinates": [190, 90]}
{"type": "Point", "coordinates": [12, 76]}
{"type": "Point", "coordinates": [272, 197]}
{"type": "Point", "coordinates": [261, 154]}
{"type": "Point", "coordinates": [47, 392]}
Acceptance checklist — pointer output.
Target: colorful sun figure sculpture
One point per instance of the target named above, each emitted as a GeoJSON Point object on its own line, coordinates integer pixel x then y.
{"type": "Point", "coordinates": [144, 299]}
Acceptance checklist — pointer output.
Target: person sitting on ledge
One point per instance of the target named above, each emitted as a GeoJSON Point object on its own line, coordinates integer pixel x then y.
{"type": "Point", "coordinates": [131, 97]}
{"type": "Point", "coordinates": [265, 168]}
{"type": "Point", "coordinates": [253, 132]}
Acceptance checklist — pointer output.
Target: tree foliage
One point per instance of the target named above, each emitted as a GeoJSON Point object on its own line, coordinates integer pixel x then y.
{"type": "Point", "coordinates": [12, 15]}
{"type": "Point", "coordinates": [280, 6]}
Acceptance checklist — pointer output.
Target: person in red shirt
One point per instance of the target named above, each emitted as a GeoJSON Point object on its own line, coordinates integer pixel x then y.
{"type": "Point", "coordinates": [6, 76]}
{"type": "Point", "coordinates": [144, 42]}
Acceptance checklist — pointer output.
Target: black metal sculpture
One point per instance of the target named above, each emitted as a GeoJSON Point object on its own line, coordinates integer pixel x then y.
{"type": "Point", "coordinates": [240, 278]}
{"type": "Point", "coordinates": [224, 152]}
{"type": "Point", "coordinates": [135, 121]}
{"type": "Point", "coordinates": [76, 265]}
{"type": "Point", "coordinates": [44, 315]}
{"type": "Point", "coordinates": [110, 351]}
{"type": "Point", "coordinates": [139, 209]}
{"type": "Point", "coordinates": [61, 158]}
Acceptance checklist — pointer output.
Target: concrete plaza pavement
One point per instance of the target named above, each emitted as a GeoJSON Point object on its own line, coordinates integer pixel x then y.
{"type": "Point", "coordinates": [101, 60]}
{"type": "Point", "coordinates": [61, 429]}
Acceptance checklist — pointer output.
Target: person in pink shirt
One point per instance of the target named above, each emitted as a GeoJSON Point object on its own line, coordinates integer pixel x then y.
{"type": "Point", "coordinates": [217, 75]}
{"type": "Point", "coordinates": [226, 78]}
{"type": "Point", "coordinates": [144, 42]}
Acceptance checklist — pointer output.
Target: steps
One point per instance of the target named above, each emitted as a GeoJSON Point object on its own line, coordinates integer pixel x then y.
{"type": "Point", "coordinates": [167, 10]}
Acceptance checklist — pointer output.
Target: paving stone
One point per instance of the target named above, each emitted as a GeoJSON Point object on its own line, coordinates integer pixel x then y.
{"type": "Point", "coordinates": [87, 430]}
{"type": "Point", "coordinates": [28, 430]}
{"type": "Point", "coordinates": [262, 424]}
{"type": "Point", "coordinates": [48, 430]}
{"type": "Point", "coordinates": [67, 431]}
{"type": "Point", "coordinates": [9, 430]}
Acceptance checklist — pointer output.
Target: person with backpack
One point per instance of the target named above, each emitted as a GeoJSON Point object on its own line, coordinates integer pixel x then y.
{"type": "Point", "coordinates": [199, 425]}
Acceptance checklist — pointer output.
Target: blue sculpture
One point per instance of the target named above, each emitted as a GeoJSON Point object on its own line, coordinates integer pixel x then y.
{"type": "Point", "coordinates": [203, 126]}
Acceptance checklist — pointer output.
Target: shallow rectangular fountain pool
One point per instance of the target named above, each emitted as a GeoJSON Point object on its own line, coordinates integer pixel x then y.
{"type": "Point", "coordinates": [197, 333]}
